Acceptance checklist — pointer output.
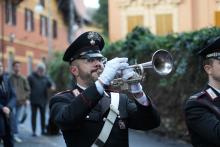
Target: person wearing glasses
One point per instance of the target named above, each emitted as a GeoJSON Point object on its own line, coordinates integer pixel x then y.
{"type": "Point", "coordinates": [91, 115]}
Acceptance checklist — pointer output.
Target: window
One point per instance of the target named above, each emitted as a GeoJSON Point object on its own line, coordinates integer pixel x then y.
{"type": "Point", "coordinates": [10, 61]}
{"type": "Point", "coordinates": [42, 3]}
{"type": "Point", "coordinates": [43, 25]}
{"type": "Point", "coordinates": [29, 65]}
{"type": "Point", "coordinates": [217, 18]}
{"type": "Point", "coordinates": [164, 24]}
{"type": "Point", "coordinates": [29, 20]}
{"type": "Point", "coordinates": [10, 11]}
{"type": "Point", "coordinates": [54, 29]}
{"type": "Point", "coordinates": [134, 21]}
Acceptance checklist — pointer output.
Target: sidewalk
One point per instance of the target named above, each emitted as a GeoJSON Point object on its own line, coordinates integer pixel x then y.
{"type": "Point", "coordinates": [28, 140]}
{"type": "Point", "coordinates": [39, 141]}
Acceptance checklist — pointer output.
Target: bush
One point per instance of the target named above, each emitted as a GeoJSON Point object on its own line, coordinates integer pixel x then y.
{"type": "Point", "coordinates": [58, 71]}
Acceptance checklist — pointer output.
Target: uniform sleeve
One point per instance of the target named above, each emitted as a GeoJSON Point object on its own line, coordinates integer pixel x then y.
{"type": "Point", "coordinates": [199, 119]}
{"type": "Point", "coordinates": [142, 117]}
{"type": "Point", "coordinates": [68, 110]}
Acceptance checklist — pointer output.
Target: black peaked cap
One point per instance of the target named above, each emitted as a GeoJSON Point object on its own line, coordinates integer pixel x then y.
{"type": "Point", "coordinates": [214, 46]}
{"type": "Point", "coordinates": [88, 41]}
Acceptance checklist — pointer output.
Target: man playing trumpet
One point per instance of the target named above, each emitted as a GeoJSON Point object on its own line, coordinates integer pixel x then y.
{"type": "Point", "coordinates": [88, 115]}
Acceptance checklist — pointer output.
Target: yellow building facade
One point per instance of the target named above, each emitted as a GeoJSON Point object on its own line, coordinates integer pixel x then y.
{"type": "Point", "coordinates": [161, 16]}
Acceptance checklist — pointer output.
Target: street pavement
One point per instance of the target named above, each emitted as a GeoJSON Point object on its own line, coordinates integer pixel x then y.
{"type": "Point", "coordinates": [136, 138]}
{"type": "Point", "coordinates": [149, 139]}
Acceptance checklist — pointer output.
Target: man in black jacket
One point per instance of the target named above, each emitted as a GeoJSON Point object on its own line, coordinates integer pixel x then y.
{"type": "Point", "coordinates": [7, 104]}
{"type": "Point", "coordinates": [39, 84]}
{"type": "Point", "coordinates": [202, 110]}
{"type": "Point", "coordinates": [82, 113]}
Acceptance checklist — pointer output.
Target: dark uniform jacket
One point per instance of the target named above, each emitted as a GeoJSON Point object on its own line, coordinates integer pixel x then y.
{"type": "Point", "coordinates": [39, 88]}
{"type": "Point", "coordinates": [81, 117]}
{"type": "Point", "coordinates": [7, 98]}
{"type": "Point", "coordinates": [202, 113]}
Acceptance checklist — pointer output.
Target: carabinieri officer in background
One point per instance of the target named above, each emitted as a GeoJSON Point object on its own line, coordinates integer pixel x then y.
{"type": "Point", "coordinates": [88, 115]}
{"type": "Point", "coordinates": [202, 110]}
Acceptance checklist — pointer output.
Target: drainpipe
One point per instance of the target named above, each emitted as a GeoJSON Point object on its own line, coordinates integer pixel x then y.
{"type": "Point", "coordinates": [71, 21]}
{"type": "Point", "coordinates": [2, 31]}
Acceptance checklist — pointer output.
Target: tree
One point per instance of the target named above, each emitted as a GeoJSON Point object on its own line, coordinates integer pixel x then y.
{"type": "Point", "coordinates": [101, 16]}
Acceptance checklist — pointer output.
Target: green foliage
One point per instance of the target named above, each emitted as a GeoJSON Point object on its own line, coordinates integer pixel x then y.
{"type": "Point", "coordinates": [58, 71]}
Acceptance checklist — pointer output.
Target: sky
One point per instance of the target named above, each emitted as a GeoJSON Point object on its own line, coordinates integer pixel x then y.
{"type": "Point", "coordinates": [92, 3]}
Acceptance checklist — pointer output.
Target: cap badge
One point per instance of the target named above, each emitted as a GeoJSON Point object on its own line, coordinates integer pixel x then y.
{"type": "Point", "coordinates": [93, 36]}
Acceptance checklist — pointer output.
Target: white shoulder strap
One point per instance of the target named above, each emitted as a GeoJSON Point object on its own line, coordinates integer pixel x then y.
{"type": "Point", "coordinates": [109, 122]}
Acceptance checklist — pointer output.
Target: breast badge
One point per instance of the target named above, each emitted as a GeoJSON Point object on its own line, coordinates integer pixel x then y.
{"type": "Point", "coordinates": [121, 124]}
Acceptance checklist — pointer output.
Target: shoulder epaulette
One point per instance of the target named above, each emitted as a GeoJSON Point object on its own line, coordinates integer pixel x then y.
{"type": "Point", "coordinates": [197, 95]}
{"type": "Point", "coordinates": [66, 91]}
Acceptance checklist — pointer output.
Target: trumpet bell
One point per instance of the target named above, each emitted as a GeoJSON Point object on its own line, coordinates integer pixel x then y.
{"type": "Point", "coordinates": [162, 62]}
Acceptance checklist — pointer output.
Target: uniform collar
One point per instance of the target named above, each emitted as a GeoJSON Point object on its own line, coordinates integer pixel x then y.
{"type": "Point", "coordinates": [217, 90]}
{"type": "Point", "coordinates": [81, 87]}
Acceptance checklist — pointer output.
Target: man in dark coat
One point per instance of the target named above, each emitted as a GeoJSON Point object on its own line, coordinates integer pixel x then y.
{"type": "Point", "coordinates": [202, 110]}
{"type": "Point", "coordinates": [82, 112]}
{"type": "Point", "coordinates": [7, 104]}
{"type": "Point", "coordinates": [39, 84]}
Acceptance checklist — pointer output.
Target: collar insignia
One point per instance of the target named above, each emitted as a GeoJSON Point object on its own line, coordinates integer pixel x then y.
{"type": "Point", "coordinates": [211, 93]}
{"type": "Point", "coordinates": [76, 92]}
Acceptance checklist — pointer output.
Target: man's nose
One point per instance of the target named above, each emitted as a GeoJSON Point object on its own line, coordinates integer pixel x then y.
{"type": "Point", "coordinates": [98, 63]}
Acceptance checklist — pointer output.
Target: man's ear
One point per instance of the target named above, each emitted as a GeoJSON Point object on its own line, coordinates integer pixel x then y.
{"type": "Point", "coordinates": [74, 70]}
{"type": "Point", "coordinates": [208, 68]}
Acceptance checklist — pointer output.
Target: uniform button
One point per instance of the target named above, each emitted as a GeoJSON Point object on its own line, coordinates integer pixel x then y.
{"type": "Point", "coordinates": [119, 116]}
{"type": "Point", "coordinates": [87, 116]}
{"type": "Point", "coordinates": [104, 119]}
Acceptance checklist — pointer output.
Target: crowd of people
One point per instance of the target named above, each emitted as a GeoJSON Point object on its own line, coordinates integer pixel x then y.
{"type": "Point", "coordinates": [92, 113]}
{"type": "Point", "coordinates": [18, 91]}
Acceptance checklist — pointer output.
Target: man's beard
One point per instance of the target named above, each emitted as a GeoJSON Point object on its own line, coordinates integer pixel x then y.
{"type": "Point", "coordinates": [91, 77]}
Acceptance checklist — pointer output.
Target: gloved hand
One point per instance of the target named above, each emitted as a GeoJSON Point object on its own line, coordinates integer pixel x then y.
{"type": "Point", "coordinates": [139, 95]}
{"type": "Point", "coordinates": [111, 68]}
{"type": "Point", "coordinates": [136, 88]}
{"type": "Point", "coordinates": [127, 73]}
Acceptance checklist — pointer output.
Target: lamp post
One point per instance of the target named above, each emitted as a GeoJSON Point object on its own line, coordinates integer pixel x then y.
{"type": "Point", "coordinates": [71, 21]}
{"type": "Point", "coordinates": [49, 31]}
{"type": "Point", "coordinates": [39, 8]}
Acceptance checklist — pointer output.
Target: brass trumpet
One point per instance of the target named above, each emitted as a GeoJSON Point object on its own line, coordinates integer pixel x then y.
{"type": "Point", "coordinates": [162, 63]}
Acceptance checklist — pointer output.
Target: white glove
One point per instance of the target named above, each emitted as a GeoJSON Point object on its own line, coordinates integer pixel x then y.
{"type": "Point", "coordinates": [127, 73]}
{"type": "Point", "coordinates": [111, 69]}
{"type": "Point", "coordinates": [136, 88]}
